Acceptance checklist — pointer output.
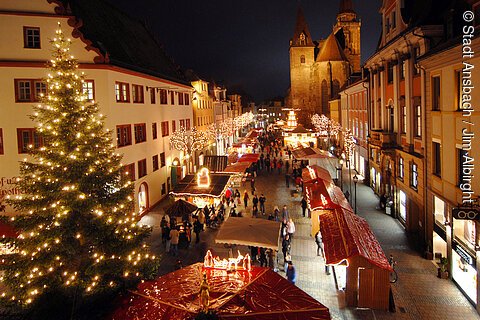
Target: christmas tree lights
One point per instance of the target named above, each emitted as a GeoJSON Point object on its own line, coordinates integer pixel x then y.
{"type": "Point", "coordinates": [188, 141]}
{"type": "Point", "coordinates": [78, 232]}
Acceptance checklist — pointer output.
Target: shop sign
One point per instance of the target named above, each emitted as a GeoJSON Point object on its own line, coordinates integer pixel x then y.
{"type": "Point", "coordinates": [466, 213]}
{"type": "Point", "coordinates": [462, 253]}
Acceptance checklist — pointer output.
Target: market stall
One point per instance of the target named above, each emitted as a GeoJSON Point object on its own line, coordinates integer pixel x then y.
{"type": "Point", "coordinates": [259, 294]}
{"type": "Point", "coordinates": [249, 232]}
{"type": "Point", "coordinates": [318, 157]}
{"type": "Point", "coordinates": [300, 137]}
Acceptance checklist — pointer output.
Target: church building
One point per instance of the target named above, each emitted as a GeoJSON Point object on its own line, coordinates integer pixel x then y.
{"type": "Point", "coordinates": [320, 68]}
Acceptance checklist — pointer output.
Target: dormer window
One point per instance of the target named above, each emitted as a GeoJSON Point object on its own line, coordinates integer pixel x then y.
{"type": "Point", "coordinates": [302, 39]}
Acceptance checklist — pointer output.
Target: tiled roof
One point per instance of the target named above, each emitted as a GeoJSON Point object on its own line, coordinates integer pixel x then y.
{"type": "Point", "coordinates": [331, 50]}
{"type": "Point", "coordinates": [126, 41]}
{"type": "Point", "coordinates": [301, 27]}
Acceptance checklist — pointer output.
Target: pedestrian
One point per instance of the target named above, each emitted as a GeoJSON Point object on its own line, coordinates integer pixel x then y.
{"type": "Point", "coordinates": [271, 217]}
{"type": "Point", "coordinates": [290, 228]}
{"type": "Point", "coordinates": [262, 200]}
{"type": "Point", "coordinates": [174, 237]}
{"type": "Point", "coordinates": [163, 225]}
{"type": "Point", "coordinates": [291, 272]}
{"type": "Point", "coordinates": [252, 184]}
{"type": "Point", "coordinates": [279, 166]}
{"type": "Point", "coordinates": [304, 205]}
{"type": "Point", "coordinates": [318, 241]}
{"type": "Point", "coordinates": [197, 228]}
{"type": "Point", "coordinates": [263, 257]}
{"type": "Point", "coordinates": [271, 258]}
{"type": "Point", "coordinates": [287, 166]}
{"type": "Point", "coordinates": [285, 247]}
{"type": "Point", "coordinates": [167, 238]}
{"type": "Point", "coordinates": [245, 199]}
{"type": "Point", "coordinates": [285, 213]}
{"type": "Point", "coordinates": [255, 202]}
{"type": "Point", "coordinates": [253, 253]}
{"type": "Point", "coordinates": [276, 213]}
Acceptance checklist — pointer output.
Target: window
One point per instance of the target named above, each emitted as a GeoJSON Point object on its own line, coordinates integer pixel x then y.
{"type": "Point", "coordinates": [401, 168]}
{"type": "Point", "coordinates": [437, 159]}
{"type": "Point", "coordinates": [459, 89]}
{"type": "Point", "coordinates": [163, 163]}
{"type": "Point", "coordinates": [461, 153]}
{"type": "Point", "coordinates": [165, 128]}
{"type": "Point", "coordinates": [152, 95]}
{"type": "Point", "coordinates": [394, 20]}
{"type": "Point", "coordinates": [387, 24]}
{"type": "Point", "coordinates": [31, 37]}
{"type": "Point", "coordinates": [302, 39]}
{"type": "Point", "coordinates": [436, 93]}
{"type": "Point", "coordinates": [174, 126]}
{"type": "Point", "coordinates": [137, 93]}
{"type": "Point", "coordinates": [140, 132]}
{"type": "Point", "coordinates": [1, 141]}
{"type": "Point", "coordinates": [155, 162]}
{"type": "Point", "coordinates": [124, 135]}
{"type": "Point", "coordinates": [416, 54]}
{"type": "Point", "coordinates": [172, 97]}
{"type": "Point", "coordinates": [302, 59]}
{"type": "Point", "coordinates": [403, 111]}
{"type": "Point", "coordinates": [187, 124]}
{"type": "Point", "coordinates": [403, 66]}
{"type": "Point", "coordinates": [142, 168]}
{"type": "Point", "coordinates": [29, 90]}
{"type": "Point", "coordinates": [154, 130]}
{"type": "Point", "coordinates": [390, 72]}
{"type": "Point", "coordinates": [187, 99]}
{"type": "Point", "coordinates": [414, 176]}
{"type": "Point", "coordinates": [182, 123]}
{"type": "Point", "coordinates": [129, 170]}
{"type": "Point", "coordinates": [418, 121]}
{"type": "Point", "coordinates": [28, 138]}
{"type": "Point", "coordinates": [122, 92]}
{"type": "Point", "coordinates": [89, 89]}
{"type": "Point", "coordinates": [163, 96]}
{"type": "Point", "coordinates": [180, 98]}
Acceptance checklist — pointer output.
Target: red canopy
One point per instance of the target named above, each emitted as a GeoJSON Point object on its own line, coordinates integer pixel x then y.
{"type": "Point", "coordinates": [238, 167]}
{"type": "Point", "coordinates": [260, 294]}
{"type": "Point", "coordinates": [318, 172]}
{"type": "Point", "coordinates": [345, 234]}
{"type": "Point", "coordinates": [318, 196]}
{"type": "Point", "coordinates": [249, 157]}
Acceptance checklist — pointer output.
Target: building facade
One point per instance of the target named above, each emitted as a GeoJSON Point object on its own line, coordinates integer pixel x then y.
{"type": "Point", "coordinates": [142, 106]}
{"type": "Point", "coordinates": [452, 133]}
{"type": "Point", "coordinates": [202, 103]}
{"type": "Point", "coordinates": [319, 69]}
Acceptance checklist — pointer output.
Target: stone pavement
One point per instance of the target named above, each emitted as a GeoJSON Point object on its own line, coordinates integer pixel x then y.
{"type": "Point", "coordinates": [418, 293]}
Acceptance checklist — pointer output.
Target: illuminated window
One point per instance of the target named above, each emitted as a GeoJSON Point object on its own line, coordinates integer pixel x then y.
{"type": "Point", "coordinates": [187, 99]}
{"type": "Point", "coordinates": [137, 93]}
{"type": "Point", "coordinates": [302, 59]}
{"type": "Point", "coordinates": [154, 130]}
{"type": "Point", "coordinates": [174, 126]}
{"type": "Point", "coordinates": [27, 137]}
{"type": "Point", "coordinates": [418, 121]}
{"type": "Point", "coordinates": [182, 123]}
{"type": "Point", "coordinates": [414, 176]}
{"type": "Point", "coordinates": [122, 92]}
{"type": "Point", "coordinates": [401, 168]}
{"type": "Point", "coordinates": [180, 98]}
{"type": "Point", "coordinates": [172, 97]}
{"type": "Point", "coordinates": [89, 89]}
{"type": "Point", "coordinates": [187, 124]}
{"type": "Point", "coordinates": [31, 37]}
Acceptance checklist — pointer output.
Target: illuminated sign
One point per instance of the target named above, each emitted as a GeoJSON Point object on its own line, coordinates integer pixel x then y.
{"type": "Point", "coordinates": [466, 213]}
{"type": "Point", "coordinates": [203, 178]}
{"type": "Point", "coordinates": [238, 263]}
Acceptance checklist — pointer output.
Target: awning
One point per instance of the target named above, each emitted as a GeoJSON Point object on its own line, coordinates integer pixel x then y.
{"type": "Point", "coordinates": [345, 235]}
{"type": "Point", "coordinates": [313, 172]}
{"type": "Point", "coordinates": [259, 294]}
{"type": "Point", "coordinates": [238, 167]}
{"type": "Point", "coordinates": [319, 194]}
{"type": "Point", "coordinates": [249, 232]}
{"type": "Point", "coordinates": [249, 157]}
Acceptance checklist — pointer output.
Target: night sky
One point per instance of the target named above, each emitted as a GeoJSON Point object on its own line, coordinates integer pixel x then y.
{"type": "Point", "coordinates": [244, 43]}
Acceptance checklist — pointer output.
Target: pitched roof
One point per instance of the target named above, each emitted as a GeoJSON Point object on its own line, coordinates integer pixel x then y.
{"type": "Point", "coordinates": [331, 50]}
{"type": "Point", "coordinates": [346, 6]}
{"type": "Point", "coordinates": [126, 41]}
{"type": "Point", "coordinates": [301, 27]}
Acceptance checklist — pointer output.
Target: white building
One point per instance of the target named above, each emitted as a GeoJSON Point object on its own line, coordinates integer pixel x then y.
{"type": "Point", "coordinates": [138, 88]}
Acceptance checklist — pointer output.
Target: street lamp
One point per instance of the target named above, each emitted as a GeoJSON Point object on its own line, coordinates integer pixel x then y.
{"type": "Point", "coordinates": [339, 176]}
{"type": "Point", "coordinates": [355, 180]}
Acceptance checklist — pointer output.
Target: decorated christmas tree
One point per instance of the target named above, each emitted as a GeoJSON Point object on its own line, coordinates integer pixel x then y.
{"type": "Point", "coordinates": [78, 232]}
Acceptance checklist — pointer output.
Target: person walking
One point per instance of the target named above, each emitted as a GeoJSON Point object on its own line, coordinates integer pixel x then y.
{"type": "Point", "coordinates": [276, 213]}
{"type": "Point", "coordinates": [263, 257]}
{"type": "Point", "coordinates": [290, 229]}
{"type": "Point", "coordinates": [285, 213]}
{"type": "Point", "coordinates": [174, 237]}
{"type": "Point", "coordinates": [255, 202]}
{"type": "Point", "coordinates": [245, 199]}
{"type": "Point", "coordinates": [291, 272]}
{"type": "Point", "coordinates": [287, 166]}
{"type": "Point", "coordinates": [304, 206]}
{"type": "Point", "coordinates": [287, 180]}
{"type": "Point", "coordinates": [252, 184]}
{"type": "Point", "coordinates": [285, 247]}
{"type": "Point", "coordinates": [197, 228]}
{"type": "Point", "coordinates": [262, 200]}
{"type": "Point", "coordinates": [318, 241]}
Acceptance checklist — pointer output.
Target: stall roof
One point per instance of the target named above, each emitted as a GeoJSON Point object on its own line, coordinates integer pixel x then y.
{"type": "Point", "coordinates": [188, 186]}
{"type": "Point", "coordinates": [249, 157]}
{"type": "Point", "coordinates": [345, 235]}
{"type": "Point", "coordinates": [237, 167]}
{"type": "Point", "coordinates": [307, 153]}
{"type": "Point", "coordinates": [318, 171]}
{"type": "Point", "coordinates": [249, 232]}
{"type": "Point", "coordinates": [259, 294]}
{"type": "Point", "coordinates": [319, 194]}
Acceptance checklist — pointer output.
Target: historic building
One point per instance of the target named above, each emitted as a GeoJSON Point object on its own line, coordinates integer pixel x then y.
{"type": "Point", "coordinates": [142, 93]}
{"type": "Point", "coordinates": [452, 149]}
{"type": "Point", "coordinates": [320, 68]}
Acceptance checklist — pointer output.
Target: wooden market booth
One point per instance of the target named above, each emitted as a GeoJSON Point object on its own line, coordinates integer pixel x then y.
{"type": "Point", "coordinates": [360, 265]}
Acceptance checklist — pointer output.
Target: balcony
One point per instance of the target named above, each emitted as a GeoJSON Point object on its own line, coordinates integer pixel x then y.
{"type": "Point", "coordinates": [384, 140]}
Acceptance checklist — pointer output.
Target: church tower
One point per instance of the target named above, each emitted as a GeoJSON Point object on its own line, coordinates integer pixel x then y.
{"type": "Point", "coordinates": [347, 32]}
{"type": "Point", "coordinates": [302, 58]}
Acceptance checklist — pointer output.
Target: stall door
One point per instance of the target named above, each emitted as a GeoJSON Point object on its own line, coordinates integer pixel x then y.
{"type": "Point", "coordinates": [365, 288]}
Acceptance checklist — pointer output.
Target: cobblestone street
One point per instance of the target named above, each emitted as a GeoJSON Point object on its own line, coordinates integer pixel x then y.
{"type": "Point", "coordinates": [418, 293]}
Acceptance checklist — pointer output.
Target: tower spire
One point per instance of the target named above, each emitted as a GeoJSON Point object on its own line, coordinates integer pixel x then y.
{"type": "Point", "coordinates": [346, 6]}
{"type": "Point", "coordinates": [301, 36]}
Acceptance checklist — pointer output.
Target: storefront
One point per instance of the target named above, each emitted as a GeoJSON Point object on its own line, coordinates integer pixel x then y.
{"type": "Point", "coordinates": [439, 229]}
{"type": "Point", "coordinates": [403, 206]}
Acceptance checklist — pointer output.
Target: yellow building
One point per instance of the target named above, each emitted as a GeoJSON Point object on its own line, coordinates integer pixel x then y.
{"type": "Point", "coordinates": [203, 112]}
{"type": "Point", "coordinates": [143, 105]}
{"type": "Point", "coordinates": [453, 131]}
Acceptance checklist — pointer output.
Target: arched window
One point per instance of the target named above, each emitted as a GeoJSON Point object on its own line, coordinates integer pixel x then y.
{"type": "Point", "coordinates": [143, 197]}
{"type": "Point", "coordinates": [302, 39]}
{"type": "Point", "coordinates": [302, 59]}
